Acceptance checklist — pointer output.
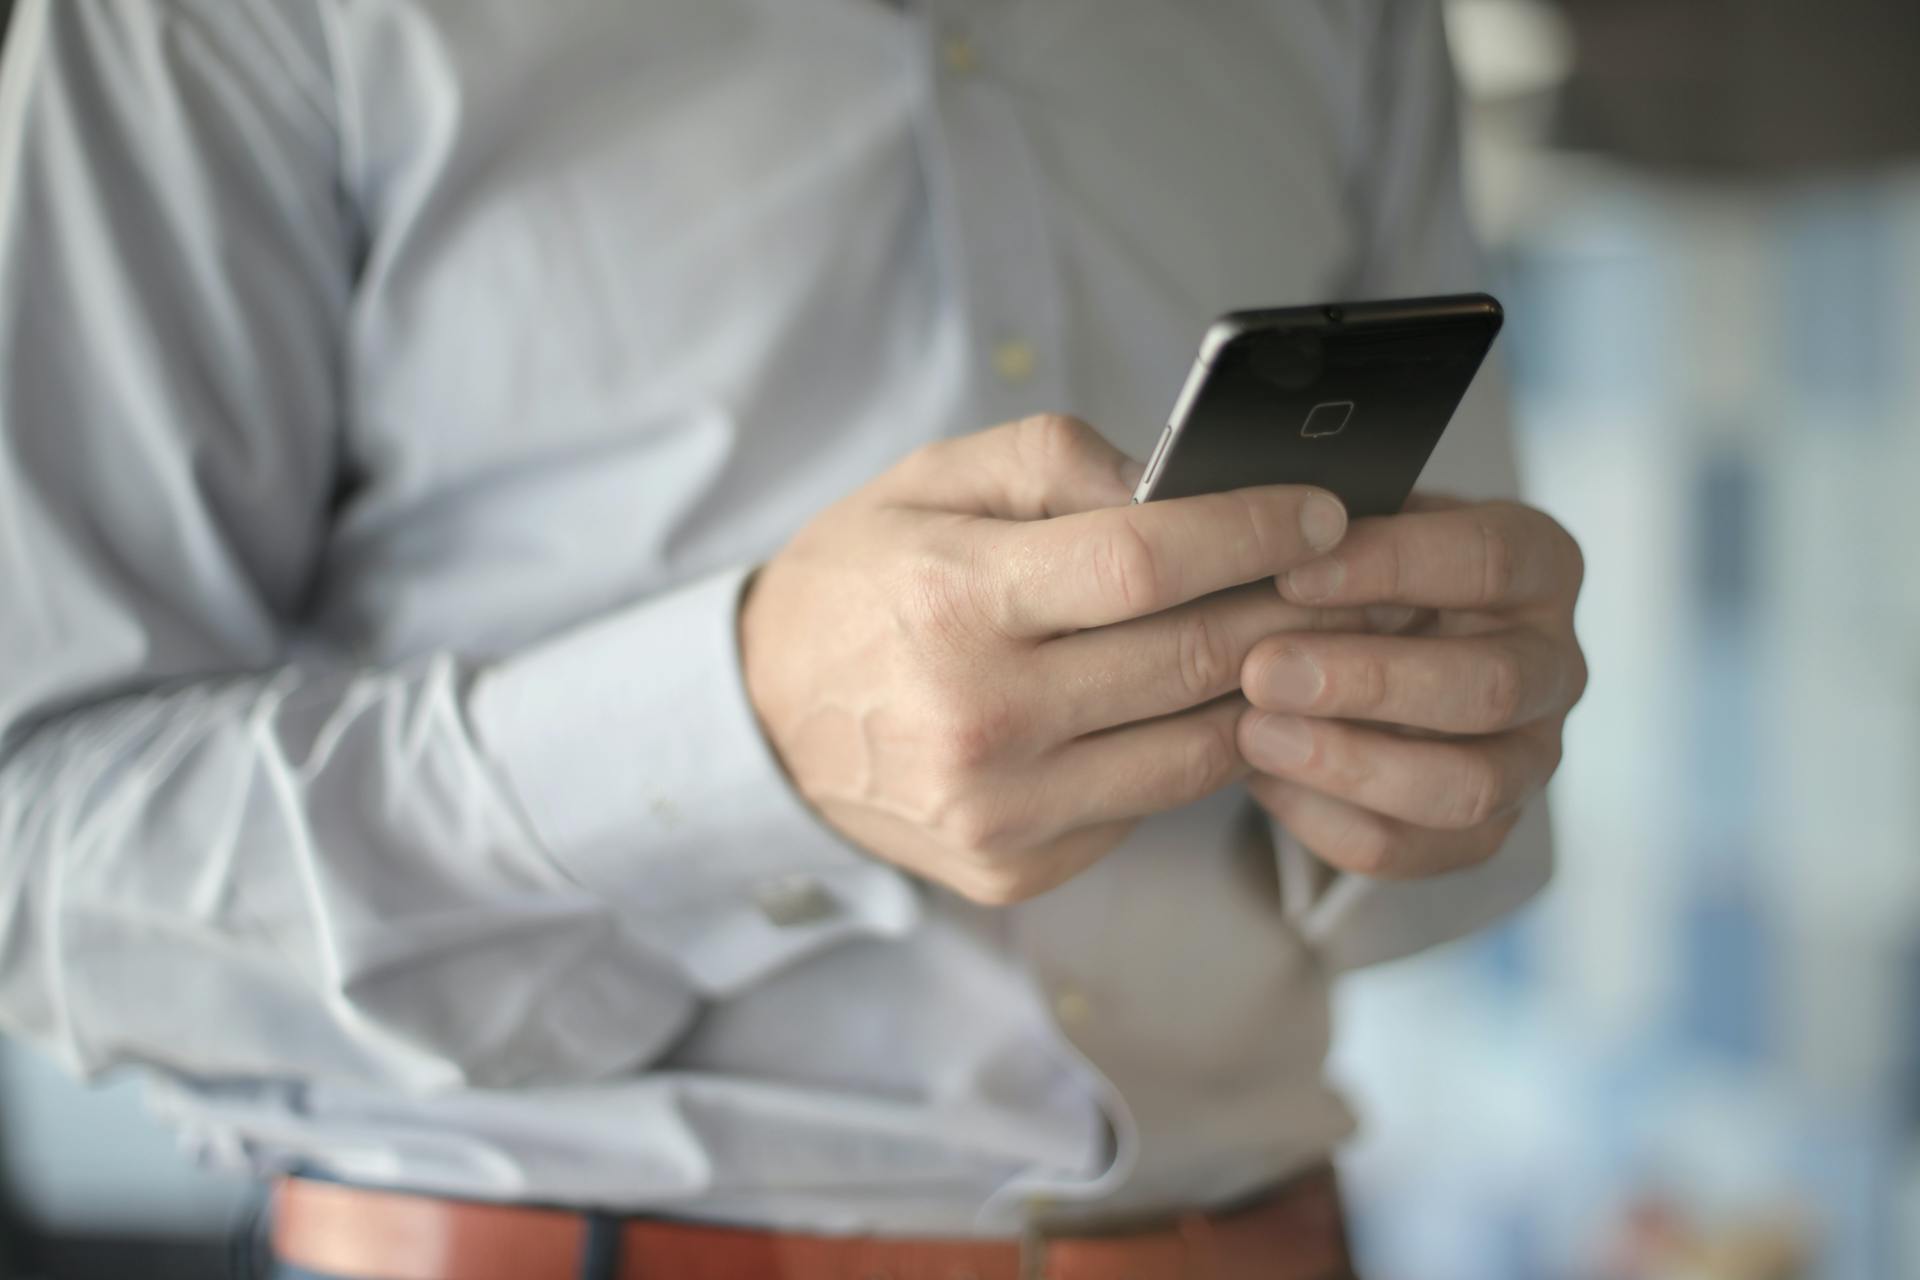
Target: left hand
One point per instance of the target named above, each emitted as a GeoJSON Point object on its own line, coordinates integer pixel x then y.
{"type": "Point", "coordinates": [1410, 754]}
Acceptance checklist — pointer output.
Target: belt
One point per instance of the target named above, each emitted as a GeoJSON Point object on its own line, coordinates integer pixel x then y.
{"type": "Point", "coordinates": [356, 1233]}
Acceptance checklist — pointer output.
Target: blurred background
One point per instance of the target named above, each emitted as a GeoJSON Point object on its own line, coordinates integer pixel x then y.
{"type": "Point", "coordinates": [1698, 1056]}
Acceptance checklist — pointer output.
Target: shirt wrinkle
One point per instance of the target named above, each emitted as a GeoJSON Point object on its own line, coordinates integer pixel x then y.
{"type": "Point", "coordinates": [395, 399]}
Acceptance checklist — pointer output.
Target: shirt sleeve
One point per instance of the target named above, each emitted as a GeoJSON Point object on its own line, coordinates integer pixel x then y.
{"type": "Point", "coordinates": [1417, 240]}
{"type": "Point", "coordinates": [224, 850]}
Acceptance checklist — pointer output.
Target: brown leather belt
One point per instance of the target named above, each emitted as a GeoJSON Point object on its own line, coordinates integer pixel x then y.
{"type": "Point", "coordinates": [1294, 1233]}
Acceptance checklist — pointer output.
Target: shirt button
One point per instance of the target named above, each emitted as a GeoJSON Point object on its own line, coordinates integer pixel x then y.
{"type": "Point", "coordinates": [794, 900]}
{"type": "Point", "coordinates": [958, 54]}
{"type": "Point", "coordinates": [1013, 361]}
{"type": "Point", "coordinates": [1072, 1007]}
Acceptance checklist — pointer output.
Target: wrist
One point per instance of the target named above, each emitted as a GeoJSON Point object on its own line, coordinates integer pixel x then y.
{"type": "Point", "coordinates": [752, 678]}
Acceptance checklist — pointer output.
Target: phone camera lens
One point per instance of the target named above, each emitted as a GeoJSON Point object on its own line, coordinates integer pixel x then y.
{"type": "Point", "coordinates": [1335, 314]}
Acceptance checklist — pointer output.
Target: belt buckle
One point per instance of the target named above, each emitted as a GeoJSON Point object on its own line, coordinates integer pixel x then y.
{"type": "Point", "coordinates": [1034, 1241]}
{"type": "Point", "coordinates": [1033, 1251]}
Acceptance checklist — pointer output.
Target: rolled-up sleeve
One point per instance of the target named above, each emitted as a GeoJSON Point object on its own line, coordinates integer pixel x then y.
{"type": "Point", "coordinates": [224, 850]}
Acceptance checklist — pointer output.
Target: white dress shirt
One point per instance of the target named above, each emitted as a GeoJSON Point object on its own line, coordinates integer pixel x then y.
{"type": "Point", "coordinates": [393, 398]}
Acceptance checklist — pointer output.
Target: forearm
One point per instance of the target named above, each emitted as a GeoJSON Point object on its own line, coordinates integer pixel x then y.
{"type": "Point", "coordinates": [336, 873]}
{"type": "Point", "coordinates": [305, 874]}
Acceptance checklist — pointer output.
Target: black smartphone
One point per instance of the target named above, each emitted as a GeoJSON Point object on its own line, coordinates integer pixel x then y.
{"type": "Point", "coordinates": [1350, 396]}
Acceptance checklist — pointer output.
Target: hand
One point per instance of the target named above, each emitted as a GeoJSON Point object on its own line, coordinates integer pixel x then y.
{"type": "Point", "coordinates": [1411, 754]}
{"type": "Point", "coordinates": [985, 666]}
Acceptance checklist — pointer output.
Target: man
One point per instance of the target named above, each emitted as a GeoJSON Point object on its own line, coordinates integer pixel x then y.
{"type": "Point", "coordinates": [406, 766]}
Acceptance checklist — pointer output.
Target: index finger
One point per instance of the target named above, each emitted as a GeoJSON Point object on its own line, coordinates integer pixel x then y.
{"type": "Point", "coordinates": [1490, 555]}
{"type": "Point", "coordinates": [1099, 567]}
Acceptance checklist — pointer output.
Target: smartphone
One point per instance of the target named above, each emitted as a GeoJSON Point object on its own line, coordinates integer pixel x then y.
{"type": "Point", "coordinates": [1350, 396]}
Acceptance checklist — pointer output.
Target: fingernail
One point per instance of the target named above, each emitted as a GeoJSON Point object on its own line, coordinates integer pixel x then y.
{"type": "Point", "coordinates": [1323, 521]}
{"type": "Point", "coordinates": [1389, 618]}
{"type": "Point", "coordinates": [1316, 581]}
{"type": "Point", "coordinates": [1292, 680]}
{"type": "Point", "coordinates": [1281, 742]}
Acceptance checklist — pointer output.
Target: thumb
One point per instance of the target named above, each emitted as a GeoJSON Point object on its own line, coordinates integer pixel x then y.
{"type": "Point", "coordinates": [1047, 465]}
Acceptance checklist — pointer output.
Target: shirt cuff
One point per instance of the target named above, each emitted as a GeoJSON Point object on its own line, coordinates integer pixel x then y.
{"type": "Point", "coordinates": [639, 762]}
{"type": "Point", "coordinates": [1351, 921]}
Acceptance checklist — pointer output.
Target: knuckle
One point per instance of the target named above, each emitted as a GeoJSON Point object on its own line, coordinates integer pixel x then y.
{"type": "Point", "coordinates": [1206, 662]}
{"type": "Point", "coordinates": [1575, 556]}
{"type": "Point", "coordinates": [1364, 685]}
{"type": "Point", "coordinates": [1501, 691]}
{"type": "Point", "coordinates": [1264, 522]}
{"type": "Point", "coordinates": [964, 742]}
{"type": "Point", "coordinates": [1126, 569]}
{"type": "Point", "coordinates": [1577, 686]}
{"type": "Point", "coordinates": [996, 884]}
{"type": "Point", "coordinates": [1396, 572]}
{"type": "Point", "coordinates": [1334, 763]}
{"type": "Point", "coordinates": [934, 592]}
{"type": "Point", "coordinates": [1497, 563]}
{"type": "Point", "coordinates": [923, 462]}
{"type": "Point", "coordinates": [979, 829]}
{"type": "Point", "coordinates": [1052, 437]}
{"type": "Point", "coordinates": [1212, 759]}
{"type": "Point", "coordinates": [1366, 846]}
{"type": "Point", "coordinates": [1476, 796]}
{"type": "Point", "coordinates": [951, 593]}
{"type": "Point", "coordinates": [970, 728]}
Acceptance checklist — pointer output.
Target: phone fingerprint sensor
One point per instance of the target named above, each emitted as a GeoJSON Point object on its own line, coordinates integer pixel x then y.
{"type": "Point", "coordinates": [1327, 419]}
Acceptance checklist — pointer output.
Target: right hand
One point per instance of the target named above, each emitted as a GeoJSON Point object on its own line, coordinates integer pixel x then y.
{"type": "Point", "coordinates": [985, 666]}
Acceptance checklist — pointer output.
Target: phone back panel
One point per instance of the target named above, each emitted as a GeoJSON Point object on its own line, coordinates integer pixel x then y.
{"type": "Point", "coordinates": [1351, 397]}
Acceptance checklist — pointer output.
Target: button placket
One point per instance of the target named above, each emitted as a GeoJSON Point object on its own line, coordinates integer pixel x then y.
{"type": "Point", "coordinates": [984, 180]}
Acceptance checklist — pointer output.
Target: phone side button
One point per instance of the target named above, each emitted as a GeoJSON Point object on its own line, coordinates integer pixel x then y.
{"type": "Point", "coordinates": [1153, 463]}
